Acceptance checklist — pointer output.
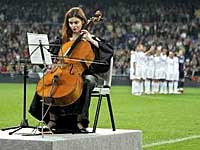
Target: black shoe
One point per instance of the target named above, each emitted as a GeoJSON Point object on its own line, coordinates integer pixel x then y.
{"type": "Point", "coordinates": [45, 129]}
{"type": "Point", "coordinates": [49, 128]}
{"type": "Point", "coordinates": [83, 130]}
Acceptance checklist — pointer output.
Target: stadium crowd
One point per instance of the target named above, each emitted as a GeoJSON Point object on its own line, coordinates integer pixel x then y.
{"type": "Point", "coordinates": [172, 24]}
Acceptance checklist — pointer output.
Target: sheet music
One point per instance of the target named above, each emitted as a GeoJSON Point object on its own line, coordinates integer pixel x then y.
{"type": "Point", "coordinates": [35, 51]}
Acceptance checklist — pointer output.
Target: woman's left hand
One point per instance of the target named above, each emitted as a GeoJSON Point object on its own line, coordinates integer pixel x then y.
{"type": "Point", "coordinates": [88, 37]}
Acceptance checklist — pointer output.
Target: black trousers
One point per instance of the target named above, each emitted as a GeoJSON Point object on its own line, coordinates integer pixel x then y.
{"type": "Point", "coordinates": [67, 116]}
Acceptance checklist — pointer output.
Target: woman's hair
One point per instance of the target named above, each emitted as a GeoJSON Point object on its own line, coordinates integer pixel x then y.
{"type": "Point", "coordinates": [73, 12]}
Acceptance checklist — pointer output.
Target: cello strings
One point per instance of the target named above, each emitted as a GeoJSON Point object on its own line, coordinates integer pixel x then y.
{"type": "Point", "coordinates": [79, 60]}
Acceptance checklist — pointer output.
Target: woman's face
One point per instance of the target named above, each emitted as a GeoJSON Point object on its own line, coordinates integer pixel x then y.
{"type": "Point", "coordinates": [75, 24]}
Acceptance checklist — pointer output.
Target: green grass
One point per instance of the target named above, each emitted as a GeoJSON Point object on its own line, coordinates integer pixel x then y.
{"type": "Point", "coordinates": [186, 145]}
{"type": "Point", "coordinates": [160, 117]}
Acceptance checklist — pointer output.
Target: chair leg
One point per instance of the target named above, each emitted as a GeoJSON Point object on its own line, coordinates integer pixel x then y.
{"type": "Point", "coordinates": [111, 112]}
{"type": "Point", "coordinates": [97, 114]}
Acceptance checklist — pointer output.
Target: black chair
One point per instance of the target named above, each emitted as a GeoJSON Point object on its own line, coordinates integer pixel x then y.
{"type": "Point", "coordinates": [103, 90]}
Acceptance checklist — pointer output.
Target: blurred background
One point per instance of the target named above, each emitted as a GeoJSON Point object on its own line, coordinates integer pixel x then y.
{"type": "Point", "coordinates": [172, 24]}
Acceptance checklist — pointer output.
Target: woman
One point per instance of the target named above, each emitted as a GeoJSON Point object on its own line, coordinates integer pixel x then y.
{"type": "Point", "coordinates": [74, 117]}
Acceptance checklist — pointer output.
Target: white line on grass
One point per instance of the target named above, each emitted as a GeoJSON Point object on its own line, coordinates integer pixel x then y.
{"type": "Point", "coordinates": [171, 141]}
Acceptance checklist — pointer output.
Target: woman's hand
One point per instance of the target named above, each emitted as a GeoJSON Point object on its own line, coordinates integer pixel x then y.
{"type": "Point", "coordinates": [88, 37]}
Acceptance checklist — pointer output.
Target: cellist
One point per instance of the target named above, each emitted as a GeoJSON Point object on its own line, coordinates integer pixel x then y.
{"type": "Point", "coordinates": [74, 117]}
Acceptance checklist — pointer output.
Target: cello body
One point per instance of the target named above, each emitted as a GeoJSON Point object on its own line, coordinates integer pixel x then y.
{"type": "Point", "coordinates": [63, 84]}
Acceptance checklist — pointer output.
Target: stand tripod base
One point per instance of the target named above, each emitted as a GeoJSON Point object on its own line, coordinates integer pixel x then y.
{"type": "Point", "coordinates": [24, 124]}
{"type": "Point", "coordinates": [43, 128]}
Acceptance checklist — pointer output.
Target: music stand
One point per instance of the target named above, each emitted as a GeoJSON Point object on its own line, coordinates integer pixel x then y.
{"type": "Point", "coordinates": [41, 57]}
{"type": "Point", "coordinates": [35, 42]}
{"type": "Point", "coordinates": [24, 122]}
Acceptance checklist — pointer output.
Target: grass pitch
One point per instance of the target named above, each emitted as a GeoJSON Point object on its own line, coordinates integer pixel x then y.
{"type": "Point", "coordinates": [160, 117]}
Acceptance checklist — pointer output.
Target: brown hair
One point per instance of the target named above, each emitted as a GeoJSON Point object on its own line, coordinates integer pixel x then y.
{"type": "Point", "coordinates": [73, 12]}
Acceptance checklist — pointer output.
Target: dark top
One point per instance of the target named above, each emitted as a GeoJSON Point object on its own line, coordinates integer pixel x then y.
{"type": "Point", "coordinates": [181, 60]}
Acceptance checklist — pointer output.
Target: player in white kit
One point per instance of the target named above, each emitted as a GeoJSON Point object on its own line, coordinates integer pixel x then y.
{"type": "Point", "coordinates": [149, 70]}
{"type": "Point", "coordinates": [162, 74]}
{"type": "Point", "coordinates": [170, 72]}
{"type": "Point", "coordinates": [176, 74]}
{"type": "Point", "coordinates": [132, 71]}
{"type": "Point", "coordinates": [140, 69]}
{"type": "Point", "coordinates": [157, 62]}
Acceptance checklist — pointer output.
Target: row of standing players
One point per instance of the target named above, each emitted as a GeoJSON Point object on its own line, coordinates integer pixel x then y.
{"type": "Point", "coordinates": [156, 70]}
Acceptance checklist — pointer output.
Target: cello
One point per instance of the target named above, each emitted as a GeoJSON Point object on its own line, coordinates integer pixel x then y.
{"type": "Point", "coordinates": [63, 84]}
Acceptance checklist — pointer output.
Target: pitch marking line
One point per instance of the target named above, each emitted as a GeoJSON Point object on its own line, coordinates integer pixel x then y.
{"type": "Point", "coordinates": [171, 141]}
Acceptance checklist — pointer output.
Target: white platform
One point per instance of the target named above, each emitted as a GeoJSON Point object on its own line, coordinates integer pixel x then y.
{"type": "Point", "coordinates": [103, 139]}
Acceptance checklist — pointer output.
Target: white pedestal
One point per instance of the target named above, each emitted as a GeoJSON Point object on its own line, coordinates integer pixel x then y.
{"type": "Point", "coordinates": [103, 139]}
